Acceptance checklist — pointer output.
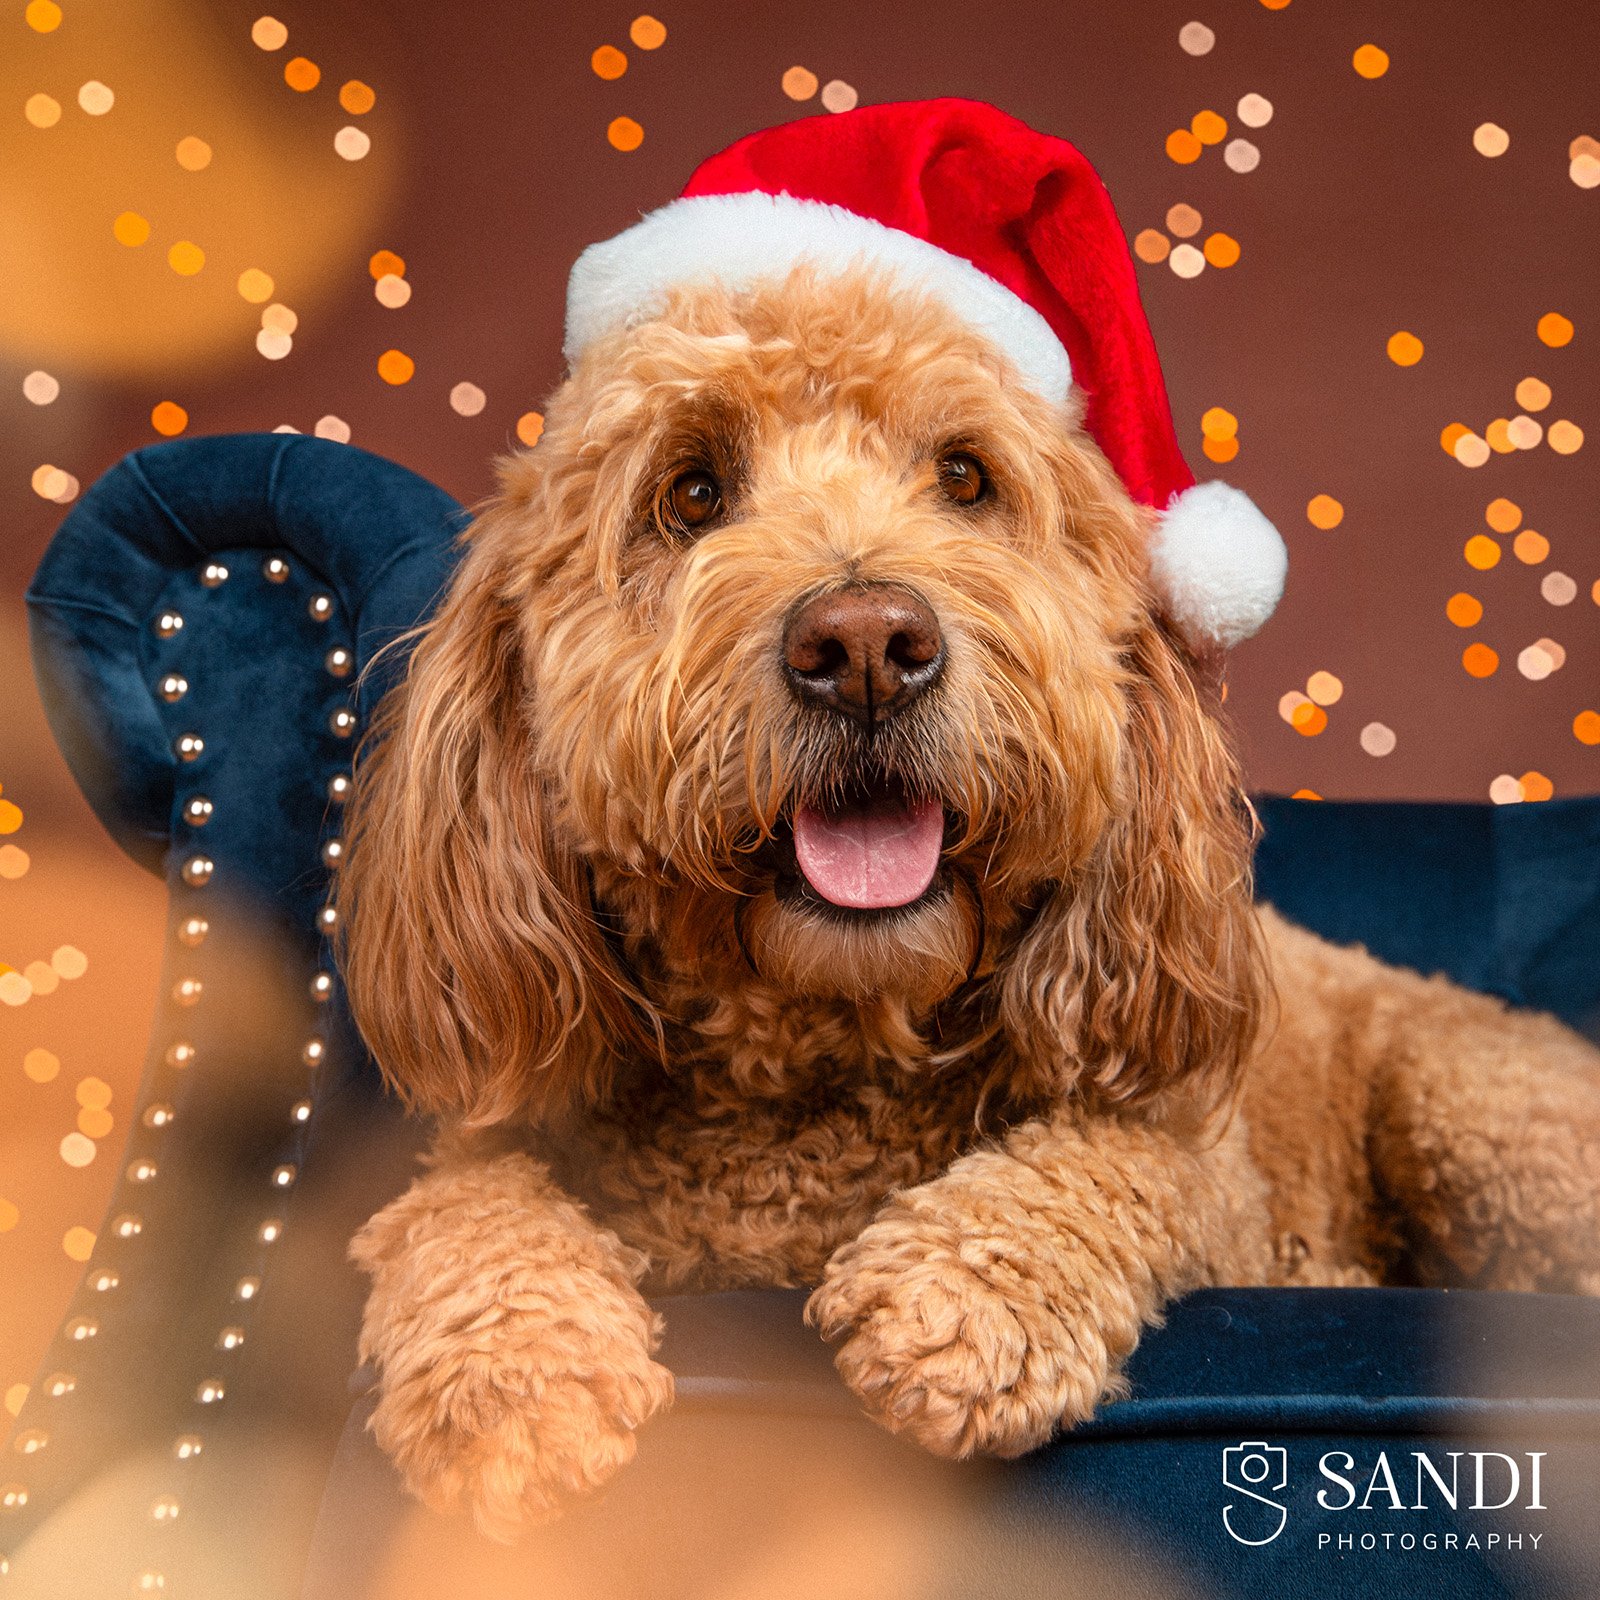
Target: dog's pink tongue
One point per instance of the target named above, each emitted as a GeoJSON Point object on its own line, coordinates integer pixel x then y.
{"type": "Point", "coordinates": [868, 857]}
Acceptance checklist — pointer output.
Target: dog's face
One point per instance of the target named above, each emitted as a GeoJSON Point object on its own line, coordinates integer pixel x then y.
{"type": "Point", "coordinates": [806, 643]}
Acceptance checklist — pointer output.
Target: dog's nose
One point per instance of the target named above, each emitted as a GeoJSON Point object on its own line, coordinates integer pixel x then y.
{"type": "Point", "coordinates": [867, 651]}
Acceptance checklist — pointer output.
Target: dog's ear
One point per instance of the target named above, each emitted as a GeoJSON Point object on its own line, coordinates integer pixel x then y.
{"type": "Point", "coordinates": [478, 971]}
{"type": "Point", "coordinates": [1144, 969]}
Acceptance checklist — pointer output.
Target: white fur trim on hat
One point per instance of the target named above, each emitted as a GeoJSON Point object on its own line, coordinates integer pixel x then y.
{"type": "Point", "coordinates": [740, 239]}
{"type": "Point", "coordinates": [1219, 564]}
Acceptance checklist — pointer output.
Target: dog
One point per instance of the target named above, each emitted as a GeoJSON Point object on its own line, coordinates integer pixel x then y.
{"type": "Point", "coordinates": [802, 852]}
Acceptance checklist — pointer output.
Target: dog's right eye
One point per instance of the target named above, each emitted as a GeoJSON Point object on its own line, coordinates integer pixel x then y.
{"type": "Point", "coordinates": [688, 502]}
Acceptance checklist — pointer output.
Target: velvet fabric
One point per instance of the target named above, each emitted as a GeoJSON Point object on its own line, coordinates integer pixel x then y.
{"type": "Point", "coordinates": [250, 1129]}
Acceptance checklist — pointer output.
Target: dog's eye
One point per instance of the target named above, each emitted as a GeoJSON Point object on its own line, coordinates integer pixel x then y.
{"type": "Point", "coordinates": [690, 501]}
{"type": "Point", "coordinates": [962, 478]}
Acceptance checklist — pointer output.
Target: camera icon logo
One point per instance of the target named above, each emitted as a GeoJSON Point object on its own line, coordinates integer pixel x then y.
{"type": "Point", "coordinates": [1258, 1471]}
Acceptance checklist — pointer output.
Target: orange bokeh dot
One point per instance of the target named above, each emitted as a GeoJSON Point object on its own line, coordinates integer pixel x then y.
{"type": "Point", "coordinates": [1502, 515]}
{"type": "Point", "coordinates": [1530, 547]}
{"type": "Point", "coordinates": [43, 16]}
{"type": "Point", "coordinates": [1208, 127]}
{"type": "Point", "coordinates": [1370, 61]}
{"type": "Point", "coordinates": [169, 418]}
{"type": "Point", "coordinates": [1304, 794]}
{"type": "Point", "coordinates": [1183, 147]}
{"type": "Point", "coordinates": [1498, 436]}
{"type": "Point", "coordinates": [1405, 349]}
{"type": "Point", "coordinates": [1465, 610]}
{"type": "Point", "coordinates": [1323, 511]}
{"type": "Point", "coordinates": [1217, 422]}
{"type": "Point", "coordinates": [1222, 250]}
{"type": "Point", "coordinates": [1536, 786]}
{"type": "Point", "coordinates": [1152, 245]}
{"type": "Point", "coordinates": [799, 83]}
{"type": "Point", "coordinates": [647, 32]}
{"type": "Point", "coordinates": [130, 229]}
{"type": "Point", "coordinates": [608, 62]}
{"type": "Point", "coordinates": [395, 366]}
{"type": "Point", "coordinates": [529, 426]}
{"type": "Point", "coordinates": [1555, 330]}
{"type": "Point", "coordinates": [95, 1122]}
{"type": "Point", "coordinates": [1479, 660]}
{"type": "Point", "coordinates": [1309, 719]}
{"type": "Point", "coordinates": [1481, 552]}
{"type": "Point", "coordinates": [1452, 436]}
{"type": "Point", "coordinates": [186, 258]}
{"type": "Point", "coordinates": [386, 262]}
{"type": "Point", "coordinates": [357, 97]}
{"type": "Point", "coordinates": [302, 74]}
{"type": "Point", "coordinates": [1220, 450]}
{"type": "Point", "coordinates": [624, 134]}
{"type": "Point", "coordinates": [1586, 727]}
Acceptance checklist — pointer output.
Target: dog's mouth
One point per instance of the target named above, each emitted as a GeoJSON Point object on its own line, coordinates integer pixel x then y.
{"type": "Point", "coordinates": [874, 848]}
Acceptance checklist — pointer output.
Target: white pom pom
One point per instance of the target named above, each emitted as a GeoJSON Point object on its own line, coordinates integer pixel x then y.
{"type": "Point", "coordinates": [1218, 563]}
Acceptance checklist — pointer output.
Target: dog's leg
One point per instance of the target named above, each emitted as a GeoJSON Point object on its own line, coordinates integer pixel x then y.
{"type": "Point", "coordinates": [1485, 1136]}
{"type": "Point", "coordinates": [511, 1341]}
{"type": "Point", "coordinates": [984, 1309]}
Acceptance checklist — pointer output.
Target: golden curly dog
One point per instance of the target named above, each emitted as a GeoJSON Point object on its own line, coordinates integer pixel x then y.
{"type": "Point", "coordinates": [800, 854]}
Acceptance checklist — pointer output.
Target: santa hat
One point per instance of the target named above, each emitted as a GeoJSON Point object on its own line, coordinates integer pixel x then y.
{"type": "Point", "coordinates": [1015, 233]}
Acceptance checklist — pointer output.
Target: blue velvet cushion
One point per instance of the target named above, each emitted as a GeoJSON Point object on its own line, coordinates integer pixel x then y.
{"type": "Point", "coordinates": [270, 1105]}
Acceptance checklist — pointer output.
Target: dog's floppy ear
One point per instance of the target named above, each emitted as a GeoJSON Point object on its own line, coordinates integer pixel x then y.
{"type": "Point", "coordinates": [1144, 969]}
{"type": "Point", "coordinates": [477, 969]}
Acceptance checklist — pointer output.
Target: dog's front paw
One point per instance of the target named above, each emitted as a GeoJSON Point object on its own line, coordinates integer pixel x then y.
{"type": "Point", "coordinates": [512, 1429]}
{"type": "Point", "coordinates": [959, 1349]}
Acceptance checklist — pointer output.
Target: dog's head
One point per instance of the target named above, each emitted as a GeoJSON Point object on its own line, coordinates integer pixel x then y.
{"type": "Point", "coordinates": [808, 649]}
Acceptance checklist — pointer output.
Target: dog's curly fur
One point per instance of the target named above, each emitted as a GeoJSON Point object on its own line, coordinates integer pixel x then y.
{"type": "Point", "coordinates": [996, 1130]}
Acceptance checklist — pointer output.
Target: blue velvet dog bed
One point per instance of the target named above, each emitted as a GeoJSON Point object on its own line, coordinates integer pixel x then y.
{"type": "Point", "coordinates": [200, 625]}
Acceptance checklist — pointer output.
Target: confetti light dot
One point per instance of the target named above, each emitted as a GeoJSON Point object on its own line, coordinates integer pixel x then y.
{"type": "Point", "coordinates": [608, 62]}
{"type": "Point", "coordinates": [42, 111]}
{"type": "Point", "coordinates": [799, 83]}
{"type": "Point", "coordinates": [14, 861]}
{"type": "Point", "coordinates": [95, 1121]}
{"type": "Point", "coordinates": [77, 1150]}
{"type": "Point", "coordinates": [1481, 552]}
{"type": "Point", "coordinates": [1151, 246]}
{"type": "Point", "coordinates": [1557, 654]}
{"type": "Point", "coordinates": [1479, 660]}
{"type": "Point", "coordinates": [1378, 739]}
{"type": "Point", "coordinates": [624, 134]}
{"type": "Point", "coordinates": [194, 155]}
{"type": "Point", "coordinates": [1309, 720]}
{"type": "Point", "coordinates": [1584, 171]}
{"type": "Point", "coordinates": [70, 962]}
{"type": "Point", "coordinates": [1186, 261]}
{"type": "Point", "coordinates": [1196, 39]}
{"type": "Point", "coordinates": [1555, 330]}
{"type": "Point", "coordinates": [1323, 511]}
{"type": "Point", "coordinates": [1255, 111]}
{"type": "Point", "coordinates": [1275, 5]}
{"type": "Point", "coordinates": [1220, 450]}
{"type": "Point", "coordinates": [1584, 145]}
{"type": "Point", "coordinates": [529, 426]}
{"type": "Point", "coordinates": [1490, 139]}
{"type": "Point", "coordinates": [40, 388]}
{"type": "Point", "coordinates": [391, 291]}
{"type": "Point", "coordinates": [1183, 147]}
{"type": "Point", "coordinates": [186, 258]}
{"type": "Point", "coordinates": [255, 285]}
{"type": "Point", "coordinates": [1291, 702]}
{"type": "Point", "coordinates": [385, 263]}
{"type": "Point", "coordinates": [1324, 688]}
{"type": "Point", "coordinates": [93, 1094]}
{"type": "Point", "coordinates": [357, 97]}
{"type": "Point", "coordinates": [1536, 787]}
{"type": "Point", "coordinates": [41, 1065]}
{"type": "Point", "coordinates": [280, 318]}
{"type": "Point", "coordinates": [17, 1394]}
{"type": "Point", "coordinates": [1533, 394]}
{"type": "Point", "coordinates": [15, 990]}
{"type": "Point", "coordinates": [1535, 663]}
{"type": "Point", "coordinates": [43, 16]}
{"type": "Point", "coordinates": [267, 33]}
{"type": "Point", "coordinates": [1530, 547]}
{"type": "Point", "coordinates": [1586, 727]}
{"type": "Point", "coordinates": [130, 229]}
{"type": "Point", "coordinates": [1498, 436]}
{"type": "Point", "coordinates": [10, 1216]}
{"type": "Point", "coordinates": [1405, 349]}
{"type": "Point", "coordinates": [1558, 589]}
{"type": "Point", "coordinates": [1241, 156]}
{"type": "Point", "coordinates": [1565, 438]}
{"type": "Point", "coordinates": [837, 96]}
{"type": "Point", "coordinates": [1452, 436]}
{"type": "Point", "coordinates": [302, 75]}
{"type": "Point", "coordinates": [1218, 423]}
{"type": "Point", "coordinates": [96, 98]}
{"type": "Point", "coordinates": [335, 428]}
{"type": "Point", "coordinates": [1370, 61]}
{"type": "Point", "coordinates": [647, 33]}
{"type": "Point", "coordinates": [1502, 515]}
{"type": "Point", "coordinates": [274, 343]}
{"type": "Point", "coordinates": [10, 816]}
{"type": "Point", "coordinates": [467, 399]}
{"type": "Point", "coordinates": [42, 977]}
{"type": "Point", "coordinates": [78, 1243]}
{"type": "Point", "coordinates": [1208, 127]}
{"type": "Point", "coordinates": [352, 143]}
{"type": "Point", "coordinates": [1471, 451]}
{"type": "Point", "coordinates": [169, 418]}
{"type": "Point", "coordinates": [48, 481]}
{"type": "Point", "coordinates": [1505, 790]}
{"type": "Point", "coordinates": [1222, 250]}
{"type": "Point", "coordinates": [1524, 432]}
{"type": "Point", "coordinates": [395, 366]}
{"type": "Point", "coordinates": [1184, 221]}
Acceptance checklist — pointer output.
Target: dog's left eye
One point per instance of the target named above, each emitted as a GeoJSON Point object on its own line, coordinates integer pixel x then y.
{"type": "Point", "coordinates": [690, 500]}
{"type": "Point", "coordinates": [963, 479]}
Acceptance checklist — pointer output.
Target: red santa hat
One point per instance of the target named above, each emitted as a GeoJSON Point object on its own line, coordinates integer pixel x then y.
{"type": "Point", "coordinates": [1014, 232]}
